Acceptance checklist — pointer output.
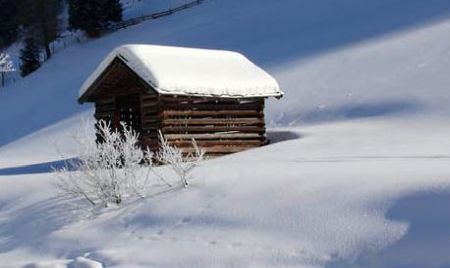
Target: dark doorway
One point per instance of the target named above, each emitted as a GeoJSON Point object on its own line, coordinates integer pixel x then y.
{"type": "Point", "coordinates": [128, 110]}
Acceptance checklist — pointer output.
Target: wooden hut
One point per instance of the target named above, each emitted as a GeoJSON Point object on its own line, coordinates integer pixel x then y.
{"type": "Point", "coordinates": [214, 96]}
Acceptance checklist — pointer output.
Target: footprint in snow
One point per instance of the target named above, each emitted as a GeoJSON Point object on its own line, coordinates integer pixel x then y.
{"type": "Point", "coordinates": [186, 220]}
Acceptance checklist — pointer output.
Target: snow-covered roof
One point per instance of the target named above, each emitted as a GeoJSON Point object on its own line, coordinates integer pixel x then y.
{"type": "Point", "coordinates": [192, 71]}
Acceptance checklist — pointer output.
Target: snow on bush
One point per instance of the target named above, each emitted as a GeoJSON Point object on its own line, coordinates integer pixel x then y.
{"type": "Point", "coordinates": [182, 164]}
{"type": "Point", "coordinates": [110, 171]}
{"type": "Point", "coordinates": [106, 172]}
{"type": "Point", "coordinates": [6, 66]}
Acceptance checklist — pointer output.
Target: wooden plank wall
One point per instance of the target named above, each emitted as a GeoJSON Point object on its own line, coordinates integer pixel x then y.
{"type": "Point", "coordinates": [104, 109]}
{"type": "Point", "coordinates": [151, 119]}
{"type": "Point", "coordinates": [219, 125]}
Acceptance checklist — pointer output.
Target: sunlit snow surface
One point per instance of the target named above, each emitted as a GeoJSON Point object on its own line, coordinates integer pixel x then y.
{"type": "Point", "coordinates": [358, 174]}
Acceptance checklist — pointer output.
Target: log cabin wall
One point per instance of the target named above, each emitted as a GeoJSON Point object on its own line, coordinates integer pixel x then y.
{"type": "Point", "coordinates": [219, 125]}
{"type": "Point", "coordinates": [104, 109]}
{"type": "Point", "coordinates": [151, 120]}
{"type": "Point", "coordinates": [117, 97]}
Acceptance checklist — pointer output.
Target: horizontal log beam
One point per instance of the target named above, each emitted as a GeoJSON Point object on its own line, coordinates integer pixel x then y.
{"type": "Point", "coordinates": [209, 143]}
{"type": "Point", "coordinates": [200, 129]}
{"type": "Point", "coordinates": [150, 111]}
{"type": "Point", "coordinates": [214, 112]}
{"type": "Point", "coordinates": [104, 101]}
{"type": "Point", "coordinates": [210, 136]}
{"type": "Point", "coordinates": [213, 107]}
{"type": "Point", "coordinates": [213, 121]}
{"type": "Point", "coordinates": [149, 104]}
{"type": "Point", "coordinates": [149, 95]}
{"type": "Point", "coordinates": [218, 149]}
{"type": "Point", "coordinates": [103, 115]}
{"type": "Point", "coordinates": [196, 98]}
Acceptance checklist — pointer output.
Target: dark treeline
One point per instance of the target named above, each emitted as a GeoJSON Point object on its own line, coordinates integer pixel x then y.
{"type": "Point", "coordinates": [37, 19]}
{"type": "Point", "coordinates": [8, 22]}
{"type": "Point", "coordinates": [91, 16]}
{"type": "Point", "coordinates": [37, 23]}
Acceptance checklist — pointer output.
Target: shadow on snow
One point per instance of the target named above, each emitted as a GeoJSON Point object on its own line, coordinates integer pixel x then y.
{"type": "Point", "coordinates": [428, 239]}
{"type": "Point", "coordinates": [45, 167]}
{"type": "Point", "coordinates": [351, 111]}
{"type": "Point", "coordinates": [276, 136]}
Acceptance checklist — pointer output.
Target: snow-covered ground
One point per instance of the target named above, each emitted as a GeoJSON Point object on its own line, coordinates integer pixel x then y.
{"type": "Point", "coordinates": [357, 175]}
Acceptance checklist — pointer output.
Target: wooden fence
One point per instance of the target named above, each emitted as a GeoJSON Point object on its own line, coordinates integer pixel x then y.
{"type": "Point", "coordinates": [130, 22]}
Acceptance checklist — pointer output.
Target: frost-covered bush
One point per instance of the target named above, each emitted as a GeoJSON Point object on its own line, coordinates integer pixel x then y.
{"type": "Point", "coordinates": [108, 171]}
{"type": "Point", "coordinates": [117, 169]}
{"type": "Point", "coordinates": [6, 66]}
{"type": "Point", "coordinates": [180, 162]}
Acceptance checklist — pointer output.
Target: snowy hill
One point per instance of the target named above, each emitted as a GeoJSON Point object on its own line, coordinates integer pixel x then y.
{"type": "Point", "coordinates": [357, 176]}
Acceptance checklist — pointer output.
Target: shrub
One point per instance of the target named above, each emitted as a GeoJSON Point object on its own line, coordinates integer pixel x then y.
{"type": "Point", "coordinates": [113, 170]}
{"type": "Point", "coordinates": [180, 162]}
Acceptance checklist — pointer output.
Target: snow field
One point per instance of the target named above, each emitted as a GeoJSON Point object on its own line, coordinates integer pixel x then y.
{"type": "Point", "coordinates": [362, 130]}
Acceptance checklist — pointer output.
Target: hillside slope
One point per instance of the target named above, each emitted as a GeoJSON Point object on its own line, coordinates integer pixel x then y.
{"type": "Point", "coordinates": [274, 35]}
{"type": "Point", "coordinates": [357, 176]}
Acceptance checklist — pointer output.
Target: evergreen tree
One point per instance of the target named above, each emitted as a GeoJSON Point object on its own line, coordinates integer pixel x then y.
{"type": "Point", "coordinates": [8, 22]}
{"type": "Point", "coordinates": [75, 16]}
{"type": "Point", "coordinates": [93, 15]}
{"type": "Point", "coordinates": [114, 9]}
{"type": "Point", "coordinates": [30, 57]}
{"type": "Point", "coordinates": [40, 19]}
